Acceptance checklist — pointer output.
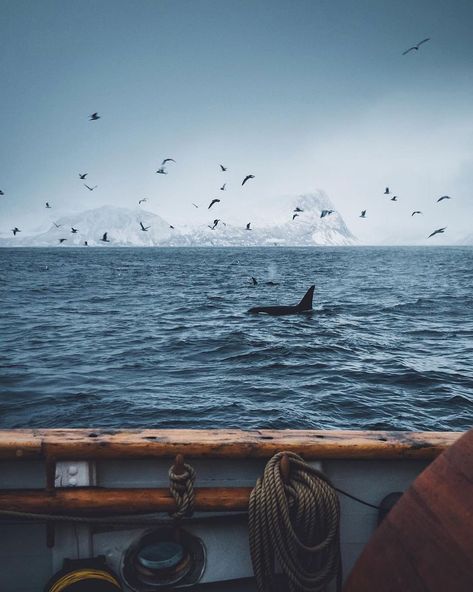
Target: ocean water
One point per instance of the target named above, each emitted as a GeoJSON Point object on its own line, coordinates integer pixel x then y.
{"type": "Point", "coordinates": [161, 338]}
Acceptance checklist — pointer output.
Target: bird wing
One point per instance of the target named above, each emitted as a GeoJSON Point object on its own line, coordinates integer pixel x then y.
{"type": "Point", "coordinates": [104, 237]}
{"type": "Point", "coordinates": [423, 41]}
{"type": "Point", "coordinates": [408, 50]}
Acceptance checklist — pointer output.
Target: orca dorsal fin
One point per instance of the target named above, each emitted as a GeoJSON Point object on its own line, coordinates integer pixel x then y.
{"type": "Point", "coordinates": [306, 302]}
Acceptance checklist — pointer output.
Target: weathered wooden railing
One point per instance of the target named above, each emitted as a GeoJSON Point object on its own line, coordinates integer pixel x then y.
{"type": "Point", "coordinates": [79, 444]}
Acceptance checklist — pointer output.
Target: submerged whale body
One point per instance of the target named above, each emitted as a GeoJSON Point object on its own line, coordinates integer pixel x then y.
{"type": "Point", "coordinates": [305, 305]}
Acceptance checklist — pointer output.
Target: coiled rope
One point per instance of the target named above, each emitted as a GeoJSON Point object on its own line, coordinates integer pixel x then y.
{"type": "Point", "coordinates": [181, 484]}
{"type": "Point", "coordinates": [296, 524]}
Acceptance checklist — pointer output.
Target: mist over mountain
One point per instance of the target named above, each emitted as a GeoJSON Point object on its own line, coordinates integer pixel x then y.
{"type": "Point", "coordinates": [123, 228]}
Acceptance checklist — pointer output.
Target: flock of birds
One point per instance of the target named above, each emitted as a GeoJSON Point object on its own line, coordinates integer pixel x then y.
{"type": "Point", "coordinates": [387, 191]}
{"type": "Point", "coordinates": [162, 170]}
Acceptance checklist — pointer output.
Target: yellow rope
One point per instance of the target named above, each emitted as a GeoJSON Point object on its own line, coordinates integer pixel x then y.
{"type": "Point", "coordinates": [81, 575]}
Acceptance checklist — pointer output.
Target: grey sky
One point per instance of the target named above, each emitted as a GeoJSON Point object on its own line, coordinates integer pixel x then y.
{"type": "Point", "coordinates": [304, 94]}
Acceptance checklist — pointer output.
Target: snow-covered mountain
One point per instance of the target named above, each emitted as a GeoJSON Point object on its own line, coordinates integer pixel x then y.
{"type": "Point", "coordinates": [121, 224]}
{"type": "Point", "coordinates": [123, 228]}
{"type": "Point", "coordinates": [307, 229]}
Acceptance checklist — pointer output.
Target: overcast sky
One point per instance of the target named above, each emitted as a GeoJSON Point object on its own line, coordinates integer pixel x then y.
{"type": "Point", "coordinates": [304, 94]}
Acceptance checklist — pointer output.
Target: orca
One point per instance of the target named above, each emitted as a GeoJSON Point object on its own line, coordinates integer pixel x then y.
{"type": "Point", "coordinates": [305, 305]}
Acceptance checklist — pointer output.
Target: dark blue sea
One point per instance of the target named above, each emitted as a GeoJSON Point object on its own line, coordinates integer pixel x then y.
{"type": "Point", "coordinates": [160, 338]}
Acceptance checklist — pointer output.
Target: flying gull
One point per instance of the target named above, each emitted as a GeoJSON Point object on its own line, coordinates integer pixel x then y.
{"type": "Point", "coordinates": [222, 188]}
{"type": "Point", "coordinates": [394, 198]}
{"type": "Point", "coordinates": [83, 175]}
{"type": "Point", "coordinates": [443, 197]}
{"type": "Point", "coordinates": [363, 214]}
{"type": "Point", "coordinates": [91, 188]}
{"type": "Point", "coordinates": [324, 213]}
{"type": "Point", "coordinates": [248, 226]}
{"type": "Point", "coordinates": [214, 201]}
{"type": "Point", "coordinates": [104, 238]}
{"type": "Point", "coordinates": [416, 47]}
{"type": "Point", "coordinates": [294, 216]}
{"type": "Point", "coordinates": [167, 160]}
{"type": "Point", "coordinates": [61, 240]}
{"type": "Point", "coordinates": [142, 200]}
{"type": "Point", "coordinates": [144, 228]}
{"type": "Point", "coordinates": [416, 212]}
{"type": "Point", "coordinates": [94, 117]}
{"type": "Point", "coordinates": [48, 207]}
{"type": "Point", "coordinates": [223, 168]}
{"type": "Point", "coordinates": [15, 230]}
{"type": "Point", "coordinates": [73, 230]}
{"type": "Point", "coordinates": [162, 171]}
{"type": "Point", "coordinates": [438, 231]}
{"type": "Point", "coordinates": [386, 191]}
{"type": "Point", "coordinates": [247, 178]}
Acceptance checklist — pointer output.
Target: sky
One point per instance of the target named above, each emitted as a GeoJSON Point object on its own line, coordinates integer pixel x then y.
{"type": "Point", "coordinates": [305, 94]}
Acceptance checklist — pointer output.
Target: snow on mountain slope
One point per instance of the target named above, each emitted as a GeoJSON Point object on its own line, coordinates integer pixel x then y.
{"type": "Point", "coordinates": [121, 224]}
{"type": "Point", "coordinates": [123, 228]}
{"type": "Point", "coordinates": [307, 229]}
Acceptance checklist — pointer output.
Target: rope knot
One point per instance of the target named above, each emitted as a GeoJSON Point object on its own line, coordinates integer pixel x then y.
{"type": "Point", "coordinates": [181, 485]}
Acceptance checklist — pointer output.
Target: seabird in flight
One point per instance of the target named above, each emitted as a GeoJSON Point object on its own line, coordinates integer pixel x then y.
{"type": "Point", "coordinates": [248, 226]}
{"type": "Point", "coordinates": [438, 231]}
{"type": "Point", "coordinates": [48, 207]}
{"type": "Point", "coordinates": [223, 168]}
{"type": "Point", "coordinates": [394, 198]}
{"type": "Point", "coordinates": [247, 178]}
{"type": "Point", "coordinates": [324, 213]}
{"type": "Point", "coordinates": [386, 191]}
{"type": "Point", "coordinates": [195, 205]}
{"type": "Point", "coordinates": [73, 230]}
{"type": "Point", "coordinates": [298, 209]}
{"type": "Point", "coordinates": [1, 192]}
{"type": "Point", "coordinates": [443, 197]}
{"type": "Point", "coordinates": [94, 117]}
{"type": "Point", "coordinates": [83, 175]}
{"type": "Point", "coordinates": [144, 228]}
{"type": "Point", "coordinates": [142, 200]}
{"type": "Point", "coordinates": [15, 230]}
{"type": "Point", "coordinates": [57, 225]}
{"type": "Point", "coordinates": [104, 238]}
{"type": "Point", "coordinates": [91, 188]}
{"type": "Point", "coordinates": [222, 188]}
{"type": "Point", "coordinates": [61, 240]}
{"type": "Point", "coordinates": [86, 244]}
{"type": "Point", "coordinates": [416, 47]}
{"type": "Point", "coordinates": [167, 160]}
{"type": "Point", "coordinates": [162, 171]}
{"type": "Point", "coordinates": [171, 227]}
{"type": "Point", "coordinates": [294, 216]}
{"type": "Point", "coordinates": [416, 212]}
{"type": "Point", "coordinates": [363, 214]}
{"type": "Point", "coordinates": [214, 201]}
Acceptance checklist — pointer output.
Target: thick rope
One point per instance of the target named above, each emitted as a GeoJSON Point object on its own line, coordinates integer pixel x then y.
{"type": "Point", "coordinates": [182, 489]}
{"type": "Point", "coordinates": [296, 525]}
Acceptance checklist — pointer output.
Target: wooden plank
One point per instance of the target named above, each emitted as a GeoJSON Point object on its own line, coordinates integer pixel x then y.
{"type": "Point", "coordinates": [425, 542]}
{"type": "Point", "coordinates": [312, 444]}
{"type": "Point", "coordinates": [91, 500]}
